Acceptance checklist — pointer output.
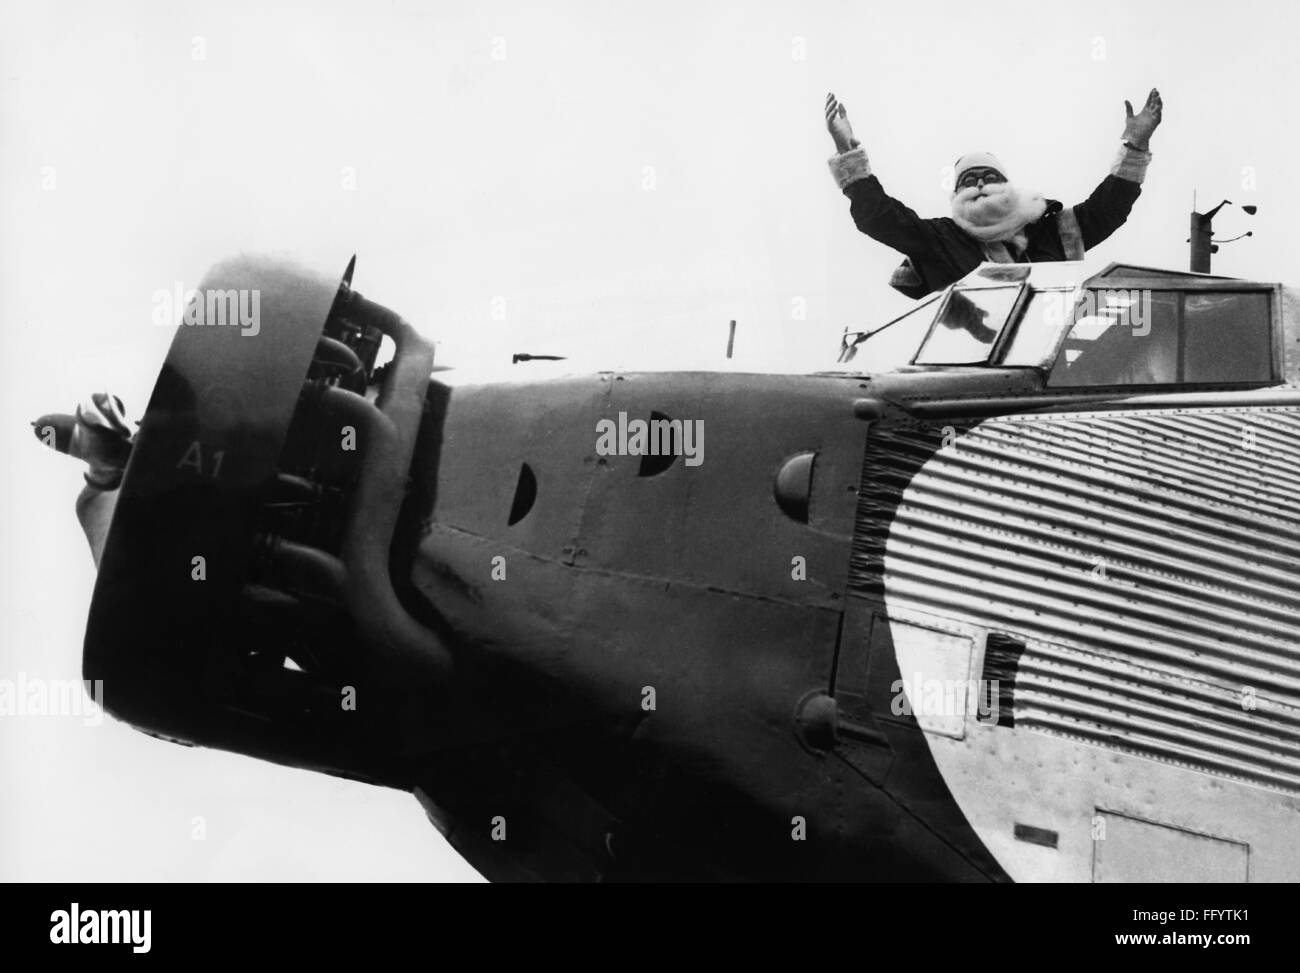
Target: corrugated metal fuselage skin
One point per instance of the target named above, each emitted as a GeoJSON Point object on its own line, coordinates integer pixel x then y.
{"type": "Point", "coordinates": [647, 657]}
{"type": "Point", "coordinates": [1131, 575]}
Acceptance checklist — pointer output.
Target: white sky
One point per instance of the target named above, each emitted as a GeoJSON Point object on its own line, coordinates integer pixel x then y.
{"type": "Point", "coordinates": [625, 177]}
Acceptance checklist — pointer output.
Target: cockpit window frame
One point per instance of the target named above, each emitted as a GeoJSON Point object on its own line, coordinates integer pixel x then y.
{"type": "Point", "coordinates": [1179, 286]}
{"type": "Point", "coordinates": [1113, 277]}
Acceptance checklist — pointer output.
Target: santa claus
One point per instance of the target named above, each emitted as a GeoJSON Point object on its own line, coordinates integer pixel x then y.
{"type": "Point", "coordinates": [992, 218]}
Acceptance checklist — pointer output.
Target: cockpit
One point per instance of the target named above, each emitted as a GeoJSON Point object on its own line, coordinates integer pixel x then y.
{"type": "Point", "coordinates": [1126, 326]}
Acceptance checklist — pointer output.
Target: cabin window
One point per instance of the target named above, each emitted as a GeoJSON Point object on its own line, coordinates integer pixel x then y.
{"type": "Point", "coordinates": [1144, 337]}
{"type": "Point", "coordinates": [968, 326]}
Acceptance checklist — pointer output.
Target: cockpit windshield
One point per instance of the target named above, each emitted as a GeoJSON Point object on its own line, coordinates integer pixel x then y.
{"type": "Point", "coordinates": [964, 331]}
{"type": "Point", "coordinates": [1124, 327]}
{"type": "Point", "coordinates": [968, 325]}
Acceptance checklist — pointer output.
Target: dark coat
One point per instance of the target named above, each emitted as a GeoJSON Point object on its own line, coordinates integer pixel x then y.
{"type": "Point", "coordinates": [941, 252]}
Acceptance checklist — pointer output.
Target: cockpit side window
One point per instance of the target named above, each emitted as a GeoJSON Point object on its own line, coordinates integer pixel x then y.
{"type": "Point", "coordinates": [1226, 338]}
{"type": "Point", "coordinates": [1153, 337]}
{"type": "Point", "coordinates": [1120, 339]}
{"type": "Point", "coordinates": [1046, 316]}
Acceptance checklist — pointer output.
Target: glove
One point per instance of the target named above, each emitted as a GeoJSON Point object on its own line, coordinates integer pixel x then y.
{"type": "Point", "coordinates": [1138, 128]}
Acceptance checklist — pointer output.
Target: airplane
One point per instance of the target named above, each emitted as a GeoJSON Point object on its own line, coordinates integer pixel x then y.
{"type": "Point", "coordinates": [1008, 592]}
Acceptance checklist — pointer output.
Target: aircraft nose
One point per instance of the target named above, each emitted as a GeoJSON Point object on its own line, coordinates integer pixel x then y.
{"type": "Point", "coordinates": [97, 434]}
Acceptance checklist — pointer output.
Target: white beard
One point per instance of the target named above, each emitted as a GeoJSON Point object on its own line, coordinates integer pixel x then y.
{"type": "Point", "coordinates": [997, 213]}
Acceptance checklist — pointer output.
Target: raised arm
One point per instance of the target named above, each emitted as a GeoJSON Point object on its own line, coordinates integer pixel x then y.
{"type": "Point", "coordinates": [1105, 211]}
{"type": "Point", "coordinates": [874, 212]}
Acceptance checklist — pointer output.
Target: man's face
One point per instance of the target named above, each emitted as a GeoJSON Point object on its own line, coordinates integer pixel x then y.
{"type": "Point", "coordinates": [984, 197]}
{"type": "Point", "coordinates": [978, 178]}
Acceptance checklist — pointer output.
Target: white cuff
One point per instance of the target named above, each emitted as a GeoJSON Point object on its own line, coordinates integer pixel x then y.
{"type": "Point", "coordinates": [1131, 164]}
{"type": "Point", "coordinates": [849, 167]}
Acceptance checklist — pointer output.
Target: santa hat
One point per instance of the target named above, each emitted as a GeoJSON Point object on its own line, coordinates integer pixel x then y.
{"type": "Point", "coordinates": [977, 160]}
